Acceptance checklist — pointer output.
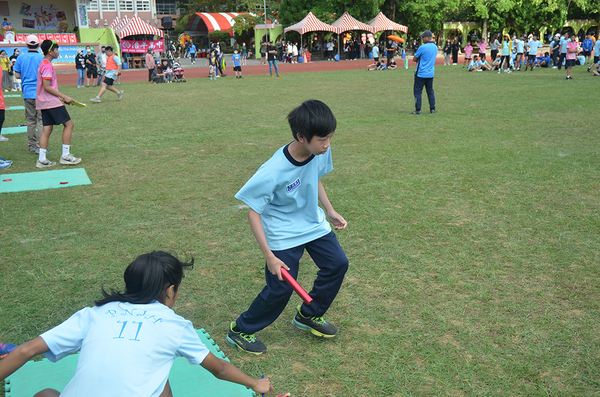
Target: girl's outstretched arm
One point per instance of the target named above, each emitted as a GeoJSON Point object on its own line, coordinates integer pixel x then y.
{"type": "Point", "coordinates": [23, 353]}
{"type": "Point", "coordinates": [221, 369]}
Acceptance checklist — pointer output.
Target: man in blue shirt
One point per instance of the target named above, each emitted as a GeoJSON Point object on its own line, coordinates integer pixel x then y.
{"type": "Point", "coordinates": [563, 49]}
{"type": "Point", "coordinates": [587, 46]}
{"type": "Point", "coordinates": [26, 68]}
{"type": "Point", "coordinates": [425, 58]}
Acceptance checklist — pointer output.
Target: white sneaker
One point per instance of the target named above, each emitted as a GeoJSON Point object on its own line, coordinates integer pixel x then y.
{"type": "Point", "coordinates": [3, 138]}
{"type": "Point", "coordinates": [13, 89]}
{"type": "Point", "coordinates": [70, 160]}
{"type": "Point", "coordinates": [120, 95]}
{"type": "Point", "coordinates": [44, 164]}
{"type": "Point", "coordinates": [96, 99]}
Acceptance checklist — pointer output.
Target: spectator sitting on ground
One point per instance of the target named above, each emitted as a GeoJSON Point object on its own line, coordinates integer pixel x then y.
{"type": "Point", "coordinates": [375, 66]}
{"type": "Point", "coordinates": [159, 75]}
{"type": "Point", "coordinates": [497, 62]}
{"type": "Point", "coordinates": [474, 65]}
{"type": "Point", "coordinates": [484, 65]}
{"type": "Point", "coordinates": [392, 65]}
{"type": "Point", "coordinates": [545, 61]}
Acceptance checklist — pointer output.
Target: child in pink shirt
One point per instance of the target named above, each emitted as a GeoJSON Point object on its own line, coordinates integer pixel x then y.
{"type": "Point", "coordinates": [482, 47]}
{"type": "Point", "coordinates": [571, 56]}
{"type": "Point", "coordinates": [48, 101]}
{"type": "Point", "coordinates": [468, 51]}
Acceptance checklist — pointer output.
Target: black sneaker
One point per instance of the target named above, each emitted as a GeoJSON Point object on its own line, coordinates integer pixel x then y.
{"type": "Point", "coordinates": [245, 342]}
{"type": "Point", "coordinates": [317, 325]}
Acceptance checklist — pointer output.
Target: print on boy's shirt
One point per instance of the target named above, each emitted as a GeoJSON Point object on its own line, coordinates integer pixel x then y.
{"type": "Point", "coordinates": [293, 186]}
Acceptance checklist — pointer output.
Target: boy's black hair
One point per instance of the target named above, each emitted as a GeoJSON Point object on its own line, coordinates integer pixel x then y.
{"type": "Point", "coordinates": [108, 48]}
{"type": "Point", "coordinates": [312, 118]}
{"type": "Point", "coordinates": [147, 279]}
{"type": "Point", "coordinates": [48, 46]}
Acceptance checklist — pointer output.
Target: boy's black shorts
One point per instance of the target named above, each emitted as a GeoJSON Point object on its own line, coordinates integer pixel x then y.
{"type": "Point", "coordinates": [92, 72]}
{"type": "Point", "coordinates": [108, 81]}
{"type": "Point", "coordinates": [570, 62]}
{"type": "Point", "coordinates": [55, 116]}
{"type": "Point", "coordinates": [237, 68]}
{"type": "Point", "coordinates": [596, 59]}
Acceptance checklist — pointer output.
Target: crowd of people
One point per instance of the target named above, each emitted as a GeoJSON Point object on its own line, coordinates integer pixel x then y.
{"type": "Point", "coordinates": [523, 53]}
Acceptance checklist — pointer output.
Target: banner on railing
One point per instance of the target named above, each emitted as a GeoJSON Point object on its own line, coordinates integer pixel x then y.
{"type": "Point", "coordinates": [141, 46]}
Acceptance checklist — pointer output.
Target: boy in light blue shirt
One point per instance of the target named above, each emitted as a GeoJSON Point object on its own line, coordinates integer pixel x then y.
{"type": "Point", "coordinates": [533, 46]}
{"type": "Point", "coordinates": [285, 217]}
{"type": "Point", "coordinates": [237, 64]}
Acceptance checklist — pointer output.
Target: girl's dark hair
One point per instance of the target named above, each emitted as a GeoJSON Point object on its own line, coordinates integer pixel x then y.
{"type": "Point", "coordinates": [312, 118]}
{"type": "Point", "coordinates": [147, 279]}
{"type": "Point", "coordinates": [48, 46]}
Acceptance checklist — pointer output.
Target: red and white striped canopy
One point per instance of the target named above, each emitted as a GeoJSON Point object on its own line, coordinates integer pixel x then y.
{"type": "Point", "coordinates": [115, 22]}
{"type": "Point", "coordinates": [310, 23]}
{"type": "Point", "coordinates": [381, 22]}
{"type": "Point", "coordinates": [121, 24]}
{"type": "Point", "coordinates": [138, 26]}
{"type": "Point", "coordinates": [212, 21]}
{"type": "Point", "coordinates": [347, 23]}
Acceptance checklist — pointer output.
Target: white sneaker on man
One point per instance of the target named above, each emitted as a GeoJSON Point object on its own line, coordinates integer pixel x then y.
{"type": "Point", "coordinates": [70, 159]}
{"type": "Point", "coordinates": [44, 164]}
{"type": "Point", "coordinates": [3, 138]}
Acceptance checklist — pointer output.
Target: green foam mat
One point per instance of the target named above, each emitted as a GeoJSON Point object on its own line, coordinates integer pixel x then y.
{"type": "Point", "coordinates": [185, 379]}
{"type": "Point", "coordinates": [13, 130]}
{"type": "Point", "coordinates": [15, 108]}
{"type": "Point", "coordinates": [41, 180]}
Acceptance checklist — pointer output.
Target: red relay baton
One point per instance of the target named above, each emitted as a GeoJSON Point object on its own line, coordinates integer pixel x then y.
{"type": "Point", "coordinates": [297, 287]}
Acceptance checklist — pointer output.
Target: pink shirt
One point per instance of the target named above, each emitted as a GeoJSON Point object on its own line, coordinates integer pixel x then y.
{"type": "Point", "coordinates": [482, 47]}
{"type": "Point", "coordinates": [468, 51]}
{"type": "Point", "coordinates": [43, 99]}
{"type": "Point", "coordinates": [571, 45]}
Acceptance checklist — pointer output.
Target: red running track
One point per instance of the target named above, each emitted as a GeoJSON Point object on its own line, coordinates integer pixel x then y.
{"type": "Point", "coordinates": [67, 75]}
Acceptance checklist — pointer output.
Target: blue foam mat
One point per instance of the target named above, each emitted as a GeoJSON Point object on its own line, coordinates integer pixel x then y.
{"type": "Point", "coordinates": [41, 180]}
{"type": "Point", "coordinates": [185, 379]}
{"type": "Point", "coordinates": [15, 108]}
{"type": "Point", "coordinates": [13, 130]}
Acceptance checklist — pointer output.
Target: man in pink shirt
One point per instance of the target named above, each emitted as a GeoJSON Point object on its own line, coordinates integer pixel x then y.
{"type": "Point", "coordinates": [571, 56]}
{"type": "Point", "coordinates": [48, 100]}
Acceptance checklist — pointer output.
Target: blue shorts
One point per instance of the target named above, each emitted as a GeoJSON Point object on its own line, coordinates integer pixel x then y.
{"type": "Point", "coordinates": [55, 116]}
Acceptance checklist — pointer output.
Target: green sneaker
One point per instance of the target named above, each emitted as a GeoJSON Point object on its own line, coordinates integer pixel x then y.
{"type": "Point", "coordinates": [245, 342]}
{"type": "Point", "coordinates": [317, 325]}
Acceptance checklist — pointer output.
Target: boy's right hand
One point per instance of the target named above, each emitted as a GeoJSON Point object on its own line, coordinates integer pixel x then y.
{"type": "Point", "coordinates": [263, 386]}
{"type": "Point", "coordinates": [275, 264]}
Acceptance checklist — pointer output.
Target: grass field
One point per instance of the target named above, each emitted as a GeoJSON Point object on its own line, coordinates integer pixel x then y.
{"type": "Point", "coordinates": [473, 233]}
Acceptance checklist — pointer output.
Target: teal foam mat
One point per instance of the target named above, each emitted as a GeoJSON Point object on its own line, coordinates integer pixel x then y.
{"type": "Point", "coordinates": [185, 379]}
{"type": "Point", "coordinates": [41, 180]}
{"type": "Point", "coordinates": [15, 108]}
{"type": "Point", "coordinates": [12, 96]}
{"type": "Point", "coordinates": [13, 130]}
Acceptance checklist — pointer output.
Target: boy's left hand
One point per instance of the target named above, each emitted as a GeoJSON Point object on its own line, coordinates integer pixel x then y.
{"type": "Point", "coordinates": [68, 100]}
{"type": "Point", "coordinates": [338, 221]}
